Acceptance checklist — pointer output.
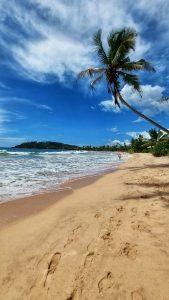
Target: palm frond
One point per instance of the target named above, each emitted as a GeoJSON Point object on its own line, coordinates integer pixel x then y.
{"type": "Point", "coordinates": [91, 72]}
{"type": "Point", "coordinates": [96, 81]}
{"type": "Point", "coordinates": [124, 60]}
{"type": "Point", "coordinates": [146, 65]}
{"type": "Point", "coordinates": [132, 80]}
{"type": "Point", "coordinates": [141, 64]}
{"type": "Point", "coordinates": [121, 43]}
{"type": "Point", "coordinates": [118, 65]}
{"type": "Point", "coordinates": [97, 41]}
{"type": "Point", "coordinates": [146, 144]}
{"type": "Point", "coordinates": [164, 99]}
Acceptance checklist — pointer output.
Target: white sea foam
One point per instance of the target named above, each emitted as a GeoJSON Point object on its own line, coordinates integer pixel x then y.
{"type": "Point", "coordinates": [8, 152]}
{"type": "Point", "coordinates": [28, 172]}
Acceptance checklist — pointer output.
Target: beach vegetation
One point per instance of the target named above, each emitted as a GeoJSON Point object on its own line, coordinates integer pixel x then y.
{"type": "Point", "coordinates": [157, 144]}
{"type": "Point", "coordinates": [161, 148]}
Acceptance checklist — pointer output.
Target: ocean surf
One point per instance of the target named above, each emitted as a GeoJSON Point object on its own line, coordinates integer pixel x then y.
{"type": "Point", "coordinates": [28, 172]}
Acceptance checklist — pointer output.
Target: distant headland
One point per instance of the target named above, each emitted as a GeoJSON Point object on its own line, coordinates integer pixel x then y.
{"type": "Point", "coordinates": [47, 145]}
{"type": "Point", "coordinates": [62, 146]}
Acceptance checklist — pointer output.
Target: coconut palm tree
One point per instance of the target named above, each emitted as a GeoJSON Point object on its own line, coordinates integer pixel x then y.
{"type": "Point", "coordinates": [117, 68]}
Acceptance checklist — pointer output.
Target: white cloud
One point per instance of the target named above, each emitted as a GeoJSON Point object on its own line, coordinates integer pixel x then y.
{"type": "Point", "coordinates": [58, 34]}
{"type": "Point", "coordinates": [141, 48]}
{"type": "Point", "coordinates": [118, 142]}
{"type": "Point", "coordinates": [108, 105]}
{"type": "Point", "coordinates": [135, 134]}
{"type": "Point", "coordinates": [53, 56]}
{"type": "Point", "coordinates": [113, 129]}
{"type": "Point", "coordinates": [6, 117]}
{"type": "Point", "coordinates": [151, 9]}
{"type": "Point", "coordinates": [138, 120]}
{"type": "Point", "coordinates": [44, 106]}
{"type": "Point", "coordinates": [149, 103]}
{"type": "Point", "coordinates": [26, 102]}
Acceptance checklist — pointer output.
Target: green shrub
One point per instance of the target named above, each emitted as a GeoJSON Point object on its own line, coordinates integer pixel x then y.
{"type": "Point", "coordinates": [137, 144]}
{"type": "Point", "coordinates": [161, 148]}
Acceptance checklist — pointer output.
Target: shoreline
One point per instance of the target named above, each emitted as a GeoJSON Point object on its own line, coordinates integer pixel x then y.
{"type": "Point", "coordinates": [14, 210]}
{"type": "Point", "coordinates": [18, 208]}
{"type": "Point", "coordinates": [105, 240]}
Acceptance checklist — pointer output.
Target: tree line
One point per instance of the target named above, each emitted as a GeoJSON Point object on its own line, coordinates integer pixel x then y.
{"type": "Point", "coordinates": [157, 144]}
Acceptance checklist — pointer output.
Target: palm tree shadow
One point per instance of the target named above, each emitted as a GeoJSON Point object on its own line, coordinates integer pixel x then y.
{"type": "Point", "coordinates": [148, 184]}
{"type": "Point", "coordinates": [147, 167]}
{"type": "Point", "coordinates": [160, 195]}
{"type": "Point", "coordinates": [144, 196]}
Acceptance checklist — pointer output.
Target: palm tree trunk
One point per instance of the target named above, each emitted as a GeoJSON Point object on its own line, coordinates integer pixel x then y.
{"type": "Point", "coordinates": [141, 115]}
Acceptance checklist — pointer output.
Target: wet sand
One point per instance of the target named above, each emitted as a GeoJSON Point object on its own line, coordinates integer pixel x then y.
{"type": "Point", "coordinates": [105, 240]}
{"type": "Point", "coordinates": [16, 209]}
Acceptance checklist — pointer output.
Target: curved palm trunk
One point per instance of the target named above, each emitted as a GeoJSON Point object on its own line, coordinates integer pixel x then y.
{"type": "Point", "coordinates": [141, 115]}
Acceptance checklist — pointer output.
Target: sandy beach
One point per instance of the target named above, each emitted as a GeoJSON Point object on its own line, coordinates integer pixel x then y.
{"type": "Point", "coordinates": [107, 239]}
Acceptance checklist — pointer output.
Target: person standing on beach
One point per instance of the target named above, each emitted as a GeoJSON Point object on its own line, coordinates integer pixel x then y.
{"type": "Point", "coordinates": [119, 155]}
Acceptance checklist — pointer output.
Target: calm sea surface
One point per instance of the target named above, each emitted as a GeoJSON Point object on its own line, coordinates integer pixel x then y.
{"type": "Point", "coordinates": [27, 172]}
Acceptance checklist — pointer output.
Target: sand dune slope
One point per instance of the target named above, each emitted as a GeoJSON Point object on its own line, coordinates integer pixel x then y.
{"type": "Point", "coordinates": [108, 240]}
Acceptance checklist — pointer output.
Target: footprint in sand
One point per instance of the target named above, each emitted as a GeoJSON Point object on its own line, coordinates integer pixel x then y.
{"type": "Point", "coordinates": [120, 209]}
{"type": "Point", "coordinates": [114, 222]}
{"type": "Point", "coordinates": [128, 250]}
{"type": "Point", "coordinates": [88, 259]}
{"type": "Point", "coordinates": [54, 262]}
{"type": "Point", "coordinates": [106, 235]}
{"type": "Point", "coordinates": [106, 282]}
{"type": "Point", "coordinates": [138, 294]}
{"type": "Point", "coordinates": [52, 265]}
{"type": "Point", "coordinates": [141, 227]}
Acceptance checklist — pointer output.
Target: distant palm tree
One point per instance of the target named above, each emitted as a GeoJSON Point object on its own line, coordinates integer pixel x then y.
{"type": "Point", "coordinates": [117, 68]}
{"type": "Point", "coordinates": [154, 135]}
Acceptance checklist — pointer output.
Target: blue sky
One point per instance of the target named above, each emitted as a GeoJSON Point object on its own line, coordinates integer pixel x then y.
{"type": "Point", "coordinates": [45, 43]}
